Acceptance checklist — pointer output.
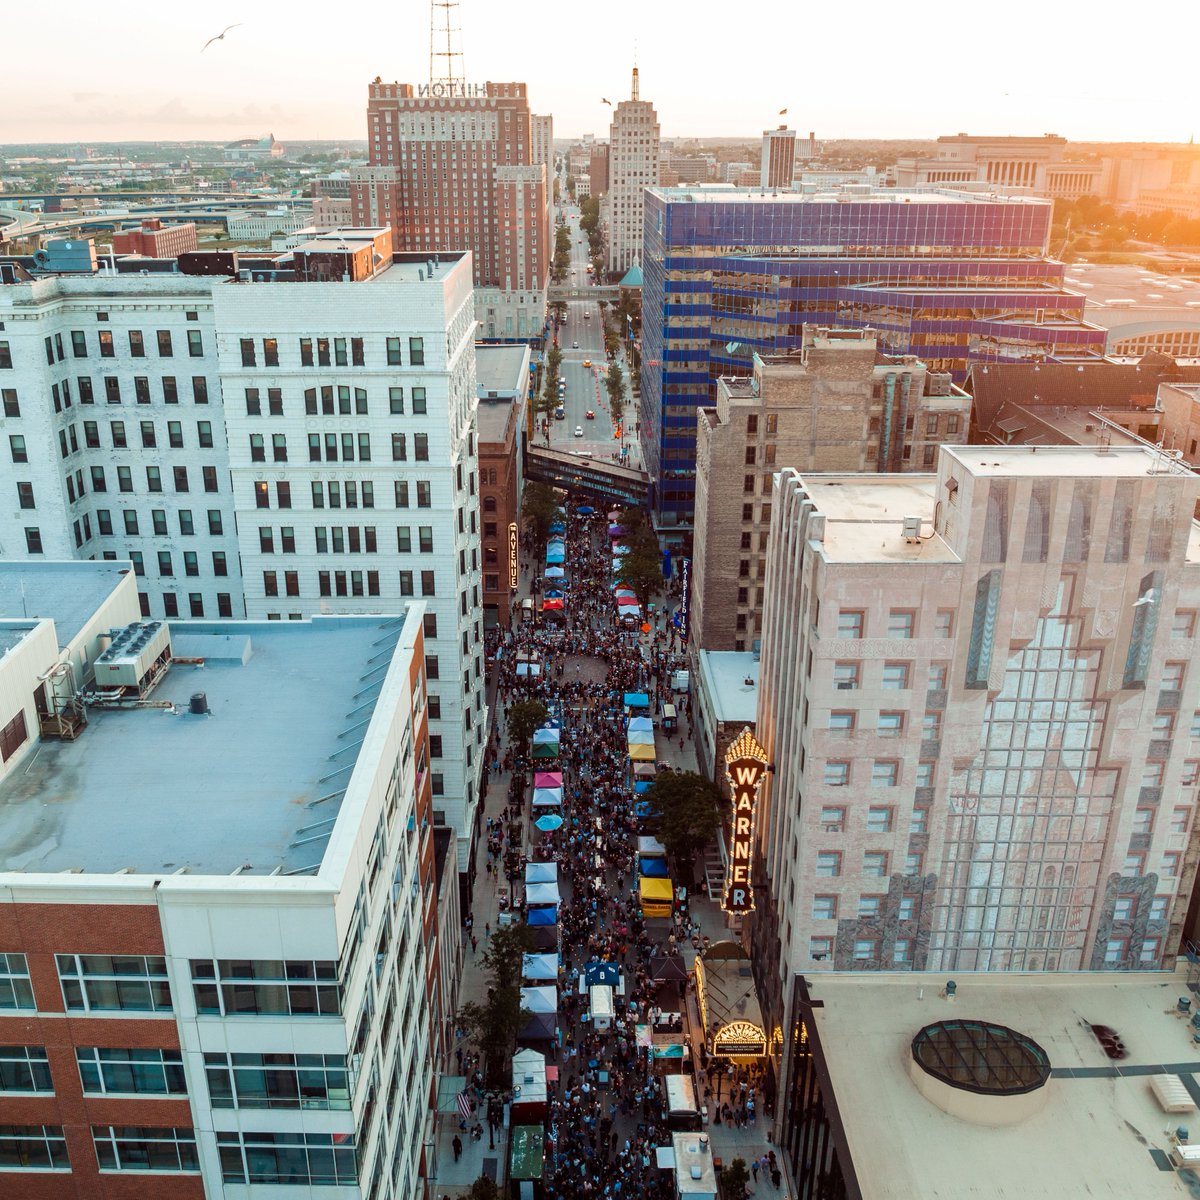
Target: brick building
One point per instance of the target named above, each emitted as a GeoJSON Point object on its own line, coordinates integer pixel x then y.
{"type": "Point", "coordinates": [454, 173]}
{"type": "Point", "coordinates": [503, 381]}
{"type": "Point", "coordinates": [837, 404]}
{"type": "Point", "coordinates": [220, 961]}
{"type": "Point", "coordinates": [156, 240]}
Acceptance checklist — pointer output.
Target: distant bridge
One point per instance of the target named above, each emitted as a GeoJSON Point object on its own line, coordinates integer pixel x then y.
{"type": "Point", "coordinates": [588, 477]}
{"type": "Point", "coordinates": [603, 291]}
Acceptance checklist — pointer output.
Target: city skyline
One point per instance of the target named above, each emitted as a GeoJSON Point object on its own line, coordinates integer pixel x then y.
{"type": "Point", "coordinates": [264, 75]}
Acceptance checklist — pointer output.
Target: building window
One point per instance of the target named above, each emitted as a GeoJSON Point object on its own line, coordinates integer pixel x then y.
{"type": "Point", "coordinates": [25, 1069]}
{"type": "Point", "coordinates": [902, 950]}
{"type": "Point", "coordinates": [283, 1081]}
{"type": "Point", "coordinates": [943, 623]}
{"type": "Point", "coordinates": [145, 1148]}
{"type": "Point", "coordinates": [820, 948]}
{"type": "Point", "coordinates": [1183, 624]}
{"type": "Point", "coordinates": [393, 352]}
{"type": "Point", "coordinates": [416, 351]}
{"type": "Point", "coordinates": [875, 863]}
{"type": "Point", "coordinates": [33, 539]}
{"type": "Point", "coordinates": [824, 908]}
{"type": "Point", "coordinates": [869, 907]}
{"type": "Point", "coordinates": [879, 820]}
{"type": "Point", "coordinates": [829, 864]}
{"type": "Point", "coordinates": [901, 622]}
{"type": "Point", "coordinates": [833, 820]}
{"type": "Point", "coordinates": [1124, 908]}
{"type": "Point", "coordinates": [841, 720]}
{"type": "Point", "coordinates": [110, 983]}
{"type": "Point", "coordinates": [837, 774]}
{"type": "Point", "coordinates": [865, 949]}
{"type": "Point", "coordinates": [895, 676]}
{"type": "Point", "coordinates": [261, 987]}
{"type": "Point", "coordinates": [312, 1159]}
{"type": "Point", "coordinates": [103, 1070]}
{"type": "Point", "coordinates": [891, 724]}
{"type": "Point", "coordinates": [33, 1148]}
{"type": "Point", "coordinates": [845, 676]}
{"type": "Point", "coordinates": [850, 623]}
{"type": "Point", "coordinates": [1170, 865]}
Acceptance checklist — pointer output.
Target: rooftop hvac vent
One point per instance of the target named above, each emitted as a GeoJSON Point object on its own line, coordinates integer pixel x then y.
{"type": "Point", "coordinates": [911, 529]}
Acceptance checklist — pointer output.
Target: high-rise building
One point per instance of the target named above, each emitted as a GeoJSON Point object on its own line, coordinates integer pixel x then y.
{"type": "Point", "coordinates": [598, 169]}
{"type": "Point", "coordinates": [454, 169]}
{"type": "Point", "coordinates": [298, 441]}
{"type": "Point", "coordinates": [633, 140]}
{"type": "Point", "coordinates": [977, 691]}
{"type": "Point", "coordinates": [221, 950]}
{"type": "Point", "coordinates": [541, 131]}
{"type": "Point", "coordinates": [949, 277]}
{"type": "Point", "coordinates": [778, 157]}
{"type": "Point", "coordinates": [837, 404]}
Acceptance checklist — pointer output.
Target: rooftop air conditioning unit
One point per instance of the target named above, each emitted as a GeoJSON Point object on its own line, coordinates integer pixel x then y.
{"type": "Point", "coordinates": [911, 529]}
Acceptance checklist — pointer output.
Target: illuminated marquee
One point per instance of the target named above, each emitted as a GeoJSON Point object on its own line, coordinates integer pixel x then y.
{"type": "Point", "coordinates": [741, 1038]}
{"type": "Point", "coordinates": [514, 570]}
{"type": "Point", "coordinates": [745, 766]}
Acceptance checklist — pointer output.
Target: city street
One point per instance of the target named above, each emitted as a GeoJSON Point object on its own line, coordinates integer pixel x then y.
{"type": "Point", "coordinates": [585, 385]}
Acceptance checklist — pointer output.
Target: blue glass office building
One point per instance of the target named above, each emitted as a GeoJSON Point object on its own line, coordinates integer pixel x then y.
{"type": "Point", "coordinates": [951, 277]}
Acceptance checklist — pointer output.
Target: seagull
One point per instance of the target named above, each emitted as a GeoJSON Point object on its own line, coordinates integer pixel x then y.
{"type": "Point", "coordinates": [1150, 596]}
{"type": "Point", "coordinates": [220, 36]}
{"type": "Point", "coordinates": [608, 102]}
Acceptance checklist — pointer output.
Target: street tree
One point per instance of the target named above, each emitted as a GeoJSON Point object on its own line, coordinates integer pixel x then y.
{"type": "Point", "coordinates": [735, 1178]}
{"type": "Point", "coordinates": [690, 814]}
{"type": "Point", "coordinates": [523, 718]}
{"type": "Point", "coordinates": [615, 382]}
{"type": "Point", "coordinates": [539, 510]}
{"type": "Point", "coordinates": [494, 1023]}
{"type": "Point", "coordinates": [485, 1188]}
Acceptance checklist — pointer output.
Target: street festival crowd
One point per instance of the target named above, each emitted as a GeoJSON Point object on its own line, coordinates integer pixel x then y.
{"type": "Point", "coordinates": [606, 1111]}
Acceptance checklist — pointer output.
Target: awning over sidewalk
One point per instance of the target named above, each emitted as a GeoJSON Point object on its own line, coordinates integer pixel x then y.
{"type": "Point", "coordinates": [541, 872]}
{"type": "Point", "coordinates": [449, 1087]}
{"type": "Point", "coordinates": [729, 1008]}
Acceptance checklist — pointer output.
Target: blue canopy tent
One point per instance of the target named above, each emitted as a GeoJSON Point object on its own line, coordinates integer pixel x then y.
{"type": "Point", "coordinates": [541, 872]}
{"type": "Point", "coordinates": [549, 823]}
{"type": "Point", "coordinates": [642, 785]}
{"type": "Point", "coordinates": [557, 527]}
{"type": "Point", "coordinates": [643, 809]}
{"type": "Point", "coordinates": [656, 868]}
{"type": "Point", "coordinates": [640, 737]}
{"type": "Point", "coordinates": [555, 557]}
{"type": "Point", "coordinates": [601, 973]}
{"type": "Point", "coordinates": [636, 700]}
{"type": "Point", "coordinates": [641, 724]}
{"type": "Point", "coordinates": [585, 510]}
{"type": "Point", "coordinates": [539, 966]}
{"type": "Point", "coordinates": [542, 916]}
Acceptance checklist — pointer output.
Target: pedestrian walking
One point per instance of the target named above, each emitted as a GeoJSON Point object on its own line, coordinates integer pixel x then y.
{"type": "Point", "coordinates": [456, 1145]}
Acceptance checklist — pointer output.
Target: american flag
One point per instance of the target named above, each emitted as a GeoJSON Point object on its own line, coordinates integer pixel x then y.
{"type": "Point", "coordinates": [466, 1105]}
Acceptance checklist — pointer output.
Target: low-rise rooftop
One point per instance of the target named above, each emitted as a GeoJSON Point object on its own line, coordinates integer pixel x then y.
{"type": "Point", "coordinates": [725, 674]}
{"type": "Point", "coordinates": [68, 592]}
{"type": "Point", "coordinates": [160, 789]}
{"type": "Point", "coordinates": [723, 193]}
{"type": "Point", "coordinates": [1099, 1133]}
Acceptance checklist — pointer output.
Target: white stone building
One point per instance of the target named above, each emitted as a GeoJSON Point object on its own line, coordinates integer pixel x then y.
{"type": "Point", "coordinates": [274, 449]}
{"type": "Point", "coordinates": [632, 167]}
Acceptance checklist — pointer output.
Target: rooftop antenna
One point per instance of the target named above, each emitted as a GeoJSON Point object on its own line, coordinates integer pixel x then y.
{"type": "Point", "coordinates": [445, 44]}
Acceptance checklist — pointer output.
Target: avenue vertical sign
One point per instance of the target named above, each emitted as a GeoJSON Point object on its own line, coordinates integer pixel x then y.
{"type": "Point", "coordinates": [745, 766]}
{"type": "Point", "coordinates": [514, 575]}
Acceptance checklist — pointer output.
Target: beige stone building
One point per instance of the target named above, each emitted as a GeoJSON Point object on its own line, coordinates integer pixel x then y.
{"type": "Point", "coordinates": [837, 404]}
{"type": "Point", "coordinates": [985, 729]}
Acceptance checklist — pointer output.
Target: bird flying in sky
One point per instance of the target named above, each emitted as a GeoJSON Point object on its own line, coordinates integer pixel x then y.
{"type": "Point", "coordinates": [608, 102]}
{"type": "Point", "coordinates": [220, 36]}
{"type": "Point", "coordinates": [783, 112]}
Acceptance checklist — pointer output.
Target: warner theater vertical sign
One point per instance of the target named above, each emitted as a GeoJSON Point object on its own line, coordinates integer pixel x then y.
{"type": "Point", "coordinates": [745, 766]}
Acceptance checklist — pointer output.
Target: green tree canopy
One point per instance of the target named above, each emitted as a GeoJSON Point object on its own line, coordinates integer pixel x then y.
{"type": "Point", "coordinates": [539, 510]}
{"type": "Point", "coordinates": [734, 1180]}
{"type": "Point", "coordinates": [690, 813]}
{"type": "Point", "coordinates": [523, 718]}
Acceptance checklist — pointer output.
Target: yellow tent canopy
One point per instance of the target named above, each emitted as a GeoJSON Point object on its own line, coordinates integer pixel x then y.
{"type": "Point", "coordinates": [656, 896]}
{"type": "Point", "coordinates": [642, 753]}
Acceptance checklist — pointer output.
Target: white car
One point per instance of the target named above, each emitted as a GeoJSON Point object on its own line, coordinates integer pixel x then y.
{"type": "Point", "coordinates": [579, 431]}
{"type": "Point", "coordinates": [574, 345]}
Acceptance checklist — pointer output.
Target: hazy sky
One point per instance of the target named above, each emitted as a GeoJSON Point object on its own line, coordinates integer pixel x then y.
{"type": "Point", "coordinates": [98, 72]}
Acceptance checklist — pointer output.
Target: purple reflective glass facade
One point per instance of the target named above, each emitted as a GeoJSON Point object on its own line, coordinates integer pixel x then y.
{"type": "Point", "coordinates": [953, 279]}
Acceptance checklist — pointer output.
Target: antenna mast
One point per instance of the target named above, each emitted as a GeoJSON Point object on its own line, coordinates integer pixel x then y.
{"type": "Point", "coordinates": [445, 44]}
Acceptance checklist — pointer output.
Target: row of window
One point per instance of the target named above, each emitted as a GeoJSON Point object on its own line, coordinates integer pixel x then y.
{"type": "Point", "coordinates": [875, 865]}
{"type": "Point", "coordinates": [346, 494]}
{"type": "Point", "coordinates": [138, 983]}
{"type": "Point", "coordinates": [888, 723]}
{"type": "Point", "coordinates": [60, 391]}
{"type": "Point", "coordinates": [902, 623]}
{"type": "Point", "coordinates": [106, 346]}
{"type": "Point", "coordinates": [308, 1159]}
{"type": "Point", "coordinates": [894, 675]}
{"type": "Point", "coordinates": [102, 1071]}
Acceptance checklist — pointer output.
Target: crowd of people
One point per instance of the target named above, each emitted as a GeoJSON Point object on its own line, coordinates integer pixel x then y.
{"type": "Point", "coordinates": [606, 1111]}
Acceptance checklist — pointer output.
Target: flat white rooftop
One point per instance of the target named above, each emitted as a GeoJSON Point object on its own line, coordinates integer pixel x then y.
{"type": "Point", "coordinates": [1100, 1133]}
{"type": "Point", "coordinates": [864, 516]}
{"type": "Point", "coordinates": [725, 673]}
{"type": "Point", "coordinates": [154, 791]}
{"type": "Point", "coordinates": [1127, 462]}
{"type": "Point", "coordinates": [68, 592]}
